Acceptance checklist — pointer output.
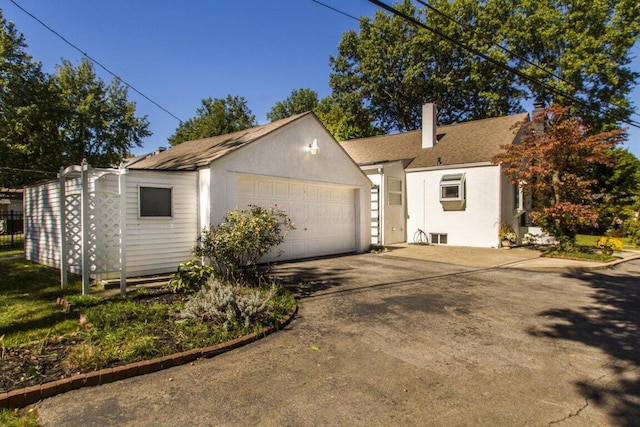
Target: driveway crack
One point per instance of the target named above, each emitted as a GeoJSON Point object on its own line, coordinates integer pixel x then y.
{"type": "Point", "coordinates": [572, 414]}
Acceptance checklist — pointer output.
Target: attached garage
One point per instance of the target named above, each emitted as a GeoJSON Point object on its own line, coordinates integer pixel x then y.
{"type": "Point", "coordinates": [324, 215]}
{"type": "Point", "coordinates": [321, 189]}
{"type": "Point", "coordinates": [144, 218]}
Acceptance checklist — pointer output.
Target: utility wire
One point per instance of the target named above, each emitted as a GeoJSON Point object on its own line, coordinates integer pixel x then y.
{"type": "Point", "coordinates": [499, 64]}
{"type": "Point", "coordinates": [514, 54]}
{"type": "Point", "coordinates": [336, 10]}
{"type": "Point", "coordinates": [504, 49]}
{"type": "Point", "coordinates": [6, 168]}
{"type": "Point", "coordinates": [95, 61]}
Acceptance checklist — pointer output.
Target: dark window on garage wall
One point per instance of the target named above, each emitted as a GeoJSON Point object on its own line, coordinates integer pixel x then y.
{"type": "Point", "coordinates": [155, 202]}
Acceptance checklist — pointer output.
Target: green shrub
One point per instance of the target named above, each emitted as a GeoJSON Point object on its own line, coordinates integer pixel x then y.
{"type": "Point", "coordinates": [235, 246]}
{"type": "Point", "coordinates": [609, 244]}
{"type": "Point", "coordinates": [190, 277]}
{"type": "Point", "coordinates": [632, 231]}
{"type": "Point", "coordinates": [231, 303]}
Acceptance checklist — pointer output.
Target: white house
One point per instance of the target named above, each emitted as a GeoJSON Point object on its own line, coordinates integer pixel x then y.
{"type": "Point", "coordinates": [144, 218]}
{"type": "Point", "coordinates": [439, 185]}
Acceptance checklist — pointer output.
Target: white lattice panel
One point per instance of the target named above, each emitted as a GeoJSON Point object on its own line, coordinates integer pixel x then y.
{"type": "Point", "coordinates": [73, 231]}
{"type": "Point", "coordinates": [104, 232]}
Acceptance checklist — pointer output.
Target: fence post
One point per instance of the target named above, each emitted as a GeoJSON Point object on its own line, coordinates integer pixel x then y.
{"type": "Point", "coordinates": [10, 228]}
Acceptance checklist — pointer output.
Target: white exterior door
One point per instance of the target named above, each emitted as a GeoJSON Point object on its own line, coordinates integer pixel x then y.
{"type": "Point", "coordinates": [324, 215]}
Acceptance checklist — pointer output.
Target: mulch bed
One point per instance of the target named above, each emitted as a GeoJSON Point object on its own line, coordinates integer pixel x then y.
{"type": "Point", "coordinates": [41, 362]}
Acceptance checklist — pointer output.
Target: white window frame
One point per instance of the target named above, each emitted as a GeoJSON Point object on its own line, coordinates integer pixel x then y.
{"type": "Point", "coordinates": [452, 180]}
{"type": "Point", "coordinates": [436, 238]}
{"type": "Point", "coordinates": [140, 201]}
{"type": "Point", "coordinates": [518, 198]}
{"type": "Point", "coordinates": [394, 192]}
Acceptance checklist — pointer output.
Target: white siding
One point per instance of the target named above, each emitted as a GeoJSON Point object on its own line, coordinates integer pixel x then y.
{"type": "Point", "coordinates": [42, 223]}
{"type": "Point", "coordinates": [159, 245]}
{"type": "Point", "coordinates": [476, 225]}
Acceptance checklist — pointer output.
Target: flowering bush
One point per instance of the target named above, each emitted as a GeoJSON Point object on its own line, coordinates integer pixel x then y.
{"type": "Point", "coordinates": [609, 244]}
{"type": "Point", "coordinates": [235, 246]}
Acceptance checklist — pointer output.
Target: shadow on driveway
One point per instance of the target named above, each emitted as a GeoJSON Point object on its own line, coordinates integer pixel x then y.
{"type": "Point", "coordinates": [610, 323]}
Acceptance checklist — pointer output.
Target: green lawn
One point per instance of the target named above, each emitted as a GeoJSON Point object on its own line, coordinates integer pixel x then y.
{"type": "Point", "coordinates": [27, 309]}
{"type": "Point", "coordinates": [590, 241]}
{"type": "Point", "coordinates": [139, 326]}
{"type": "Point", "coordinates": [11, 418]}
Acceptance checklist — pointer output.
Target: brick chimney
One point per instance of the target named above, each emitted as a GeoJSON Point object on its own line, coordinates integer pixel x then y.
{"type": "Point", "coordinates": [429, 114]}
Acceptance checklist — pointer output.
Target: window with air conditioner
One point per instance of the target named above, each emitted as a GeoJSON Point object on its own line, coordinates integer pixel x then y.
{"type": "Point", "coordinates": [452, 188]}
{"type": "Point", "coordinates": [453, 192]}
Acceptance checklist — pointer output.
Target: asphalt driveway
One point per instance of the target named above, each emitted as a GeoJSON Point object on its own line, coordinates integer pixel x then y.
{"type": "Point", "coordinates": [386, 340]}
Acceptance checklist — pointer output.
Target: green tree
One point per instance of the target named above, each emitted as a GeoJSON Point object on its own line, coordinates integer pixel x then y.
{"type": "Point", "coordinates": [586, 44]}
{"type": "Point", "coordinates": [99, 123]}
{"type": "Point", "coordinates": [556, 167]}
{"type": "Point", "coordinates": [299, 101]}
{"type": "Point", "coordinates": [51, 121]}
{"type": "Point", "coordinates": [28, 116]}
{"type": "Point", "coordinates": [393, 68]}
{"type": "Point", "coordinates": [581, 49]}
{"type": "Point", "coordinates": [215, 117]}
{"type": "Point", "coordinates": [621, 183]}
{"type": "Point", "coordinates": [346, 120]}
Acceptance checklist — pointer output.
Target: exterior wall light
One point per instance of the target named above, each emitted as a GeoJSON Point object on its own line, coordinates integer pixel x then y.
{"type": "Point", "coordinates": [313, 147]}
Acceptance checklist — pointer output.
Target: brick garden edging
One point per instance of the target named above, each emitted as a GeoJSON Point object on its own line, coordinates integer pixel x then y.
{"type": "Point", "coordinates": [30, 395]}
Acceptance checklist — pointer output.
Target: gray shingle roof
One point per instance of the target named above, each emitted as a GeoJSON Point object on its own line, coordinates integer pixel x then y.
{"type": "Point", "coordinates": [191, 155]}
{"type": "Point", "coordinates": [462, 143]}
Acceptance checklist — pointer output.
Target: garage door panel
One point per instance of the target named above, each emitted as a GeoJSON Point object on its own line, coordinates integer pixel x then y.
{"type": "Point", "coordinates": [282, 191]}
{"type": "Point", "coordinates": [312, 247]}
{"type": "Point", "coordinates": [245, 188]}
{"type": "Point", "coordinates": [324, 211]}
{"type": "Point", "coordinates": [296, 191]}
{"type": "Point", "coordinates": [324, 215]}
{"type": "Point", "coordinates": [310, 192]}
{"type": "Point", "coordinates": [265, 189]}
{"type": "Point", "coordinates": [324, 194]}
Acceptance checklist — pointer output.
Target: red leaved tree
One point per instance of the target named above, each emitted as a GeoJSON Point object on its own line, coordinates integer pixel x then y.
{"type": "Point", "coordinates": [555, 165]}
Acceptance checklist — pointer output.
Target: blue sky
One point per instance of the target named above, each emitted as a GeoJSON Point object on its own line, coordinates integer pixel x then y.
{"type": "Point", "coordinates": [179, 52]}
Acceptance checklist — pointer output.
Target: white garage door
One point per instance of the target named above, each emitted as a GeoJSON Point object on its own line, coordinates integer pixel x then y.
{"type": "Point", "coordinates": [324, 215]}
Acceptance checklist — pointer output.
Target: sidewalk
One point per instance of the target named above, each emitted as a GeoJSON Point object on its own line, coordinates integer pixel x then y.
{"type": "Point", "coordinates": [523, 258]}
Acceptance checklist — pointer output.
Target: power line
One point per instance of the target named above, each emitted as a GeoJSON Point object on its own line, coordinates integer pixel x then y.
{"type": "Point", "coordinates": [516, 55]}
{"type": "Point", "coordinates": [85, 54]}
{"type": "Point", "coordinates": [504, 49]}
{"type": "Point", "coordinates": [499, 64]}
{"type": "Point", "coordinates": [6, 168]}
{"type": "Point", "coordinates": [336, 10]}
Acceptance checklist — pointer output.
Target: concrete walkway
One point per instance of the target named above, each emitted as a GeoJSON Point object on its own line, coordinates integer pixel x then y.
{"type": "Point", "coordinates": [522, 258]}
